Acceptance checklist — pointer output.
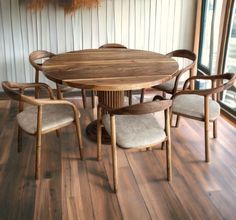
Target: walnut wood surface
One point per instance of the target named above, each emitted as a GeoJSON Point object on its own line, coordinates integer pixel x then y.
{"type": "Point", "coordinates": [74, 189]}
{"type": "Point", "coordinates": [110, 69]}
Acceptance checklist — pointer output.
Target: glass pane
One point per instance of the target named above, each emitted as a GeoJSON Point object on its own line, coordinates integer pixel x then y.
{"type": "Point", "coordinates": [210, 34]}
{"type": "Point", "coordinates": [229, 96]}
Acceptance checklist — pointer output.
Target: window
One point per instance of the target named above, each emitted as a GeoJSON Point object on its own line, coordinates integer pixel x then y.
{"type": "Point", "coordinates": [208, 48]}
{"type": "Point", "coordinates": [210, 25]}
{"type": "Point", "coordinates": [229, 96]}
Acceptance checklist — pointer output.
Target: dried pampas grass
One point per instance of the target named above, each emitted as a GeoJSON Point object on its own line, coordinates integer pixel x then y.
{"type": "Point", "coordinates": [69, 6]}
{"type": "Point", "coordinates": [72, 5]}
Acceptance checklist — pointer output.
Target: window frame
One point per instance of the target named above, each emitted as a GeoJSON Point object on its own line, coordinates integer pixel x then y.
{"type": "Point", "coordinates": [202, 69]}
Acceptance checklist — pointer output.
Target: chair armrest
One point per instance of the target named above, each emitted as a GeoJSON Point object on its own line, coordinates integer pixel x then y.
{"type": "Point", "coordinates": [203, 92]}
{"type": "Point", "coordinates": [139, 109]}
{"type": "Point", "coordinates": [58, 102]}
{"type": "Point", "coordinates": [194, 78]}
{"type": "Point", "coordinates": [24, 86]}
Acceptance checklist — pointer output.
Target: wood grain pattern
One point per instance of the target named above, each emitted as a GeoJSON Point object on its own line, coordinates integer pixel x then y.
{"type": "Point", "coordinates": [186, 70]}
{"type": "Point", "coordinates": [75, 189]}
{"type": "Point", "coordinates": [110, 69]}
{"type": "Point", "coordinates": [219, 83]}
{"type": "Point", "coordinates": [138, 109]}
{"type": "Point", "coordinates": [15, 92]}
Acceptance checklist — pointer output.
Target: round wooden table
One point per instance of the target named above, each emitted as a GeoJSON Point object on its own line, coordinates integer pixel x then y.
{"type": "Point", "coordinates": [110, 72]}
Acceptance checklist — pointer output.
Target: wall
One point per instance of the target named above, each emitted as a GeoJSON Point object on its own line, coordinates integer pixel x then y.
{"type": "Point", "coordinates": [156, 25]}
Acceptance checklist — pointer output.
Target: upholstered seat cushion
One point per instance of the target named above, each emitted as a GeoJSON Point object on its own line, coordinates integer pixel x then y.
{"type": "Point", "coordinates": [169, 85]}
{"type": "Point", "coordinates": [52, 116]}
{"type": "Point", "coordinates": [136, 130]}
{"type": "Point", "coordinates": [193, 106]}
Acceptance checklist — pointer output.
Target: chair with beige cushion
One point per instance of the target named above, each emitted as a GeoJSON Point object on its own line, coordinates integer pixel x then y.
{"type": "Point", "coordinates": [35, 59]}
{"type": "Point", "coordinates": [202, 105]}
{"type": "Point", "coordinates": [41, 116]}
{"type": "Point", "coordinates": [112, 45]}
{"type": "Point", "coordinates": [135, 127]}
{"type": "Point", "coordinates": [176, 84]}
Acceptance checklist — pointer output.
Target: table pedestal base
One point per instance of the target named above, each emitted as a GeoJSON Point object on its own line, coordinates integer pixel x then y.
{"type": "Point", "coordinates": [113, 99]}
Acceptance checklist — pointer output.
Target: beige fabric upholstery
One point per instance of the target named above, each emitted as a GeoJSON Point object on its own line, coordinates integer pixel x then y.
{"type": "Point", "coordinates": [53, 116]}
{"type": "Point", "coordinates": [193, 105]}
{"type": "Point", "coordinates": [169, 85]}
{"type": "Point", "coordinates": [136, 130]}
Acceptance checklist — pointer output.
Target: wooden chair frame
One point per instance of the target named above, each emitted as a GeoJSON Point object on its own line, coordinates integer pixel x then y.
{"type": "Point", "coordinates": [112, 45]}
{"type": "Point", "coordinates": [41, 54]}
{"type": "Point", "coordinates": [138, 109]}
{"type": "Point", "coordinates": [16, 92]}
{"type": "Point", "coordinates": [217, 85]}
{"type": "Point", "coordinates": [181, 54]}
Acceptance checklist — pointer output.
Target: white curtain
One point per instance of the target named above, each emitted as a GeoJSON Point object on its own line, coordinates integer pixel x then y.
{"type": "Point", "coordinates": [156, 25]}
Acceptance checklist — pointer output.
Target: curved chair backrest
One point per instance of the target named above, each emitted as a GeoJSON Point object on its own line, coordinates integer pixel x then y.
{"type": "Point", "coordinates": [219, 83]}
{"type": "Point", "coordinates": [183, 53]}
{"type": "Point", "coordinates": [37, 55]}
{"type": "Point", "coordinates": [231, 77]}
{"type": "Point", "coordinates": [14, 91]}
{"type": "Point", "coordinates": [187, 54]}
{"type": "Point", "coordinates": [142, 108]}
{"type": "Point", "coordinates": [112, 45]}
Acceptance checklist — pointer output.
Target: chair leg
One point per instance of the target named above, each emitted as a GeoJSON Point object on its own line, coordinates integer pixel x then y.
{"type": "Point", "coordinates": [142, 95]}
{"type": "Point", "coordinates": [215, 129]}
{"type": "Point", "coordinates": [207, 151]}
{"type": "Point", "coordinates": [38, 156]}
{"type": "Point", "coordinates": [99, 133]}
{"type": "Point", "coordinates": [206, 125]}
{"type": "Point", "coordinates": [171, 119]}
{"type": "Point", "coordinates": [164, 94]}
{"type": "Point", "coordinates": [58, 133]}
{"type": "Point", "coordinates": [19, 147]}
{"type": "Point", "coordinates": [114, 153]}
{"type": "Point", "coordinates": [36, 80]}
{"type": "Point", "coordinates": [168, 159]}
{"type": "Point", "coordinates": [79, 136]}
{"type": "Point", "coordinates": [59, 96]}
{"type": "Point", "coordinates": [177, 121]}
{"type": "Point", "coordinates": [130, 97]}
{"type": "Point", "coordinates": [83, 91]}
{"type": "Point", "coordinates": [168, 145]}
{"type": "Point", "coordinates": [163, 145]}
{"type": "Point", "coordinates": [93, 98]}
{"type": "Point", "coordinates": [59, 93]}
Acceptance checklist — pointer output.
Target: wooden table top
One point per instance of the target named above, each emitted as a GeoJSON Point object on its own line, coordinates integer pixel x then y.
{"type": "Point", "coordinates": [110, 69]}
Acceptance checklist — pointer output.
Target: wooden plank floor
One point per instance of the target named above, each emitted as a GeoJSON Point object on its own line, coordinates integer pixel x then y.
{"type": "Point", "coordinates": [75, 189]}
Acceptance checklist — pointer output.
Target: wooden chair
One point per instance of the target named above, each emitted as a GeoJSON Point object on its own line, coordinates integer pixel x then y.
{"type": "Point", "coordinates": [119, 46]}
{"type": "Point", "coordinates": [35, 59]}
{"type": "Point", "coordinates": [41, 116]}
{"type": "Point", "coordinates": [112, 45]}
{"type": "Point", "coordinates": [175, 84]}
{"type": "Point", "coordinates": [202, 105]}
{"type": "Point", "coordinates": [134, 127]}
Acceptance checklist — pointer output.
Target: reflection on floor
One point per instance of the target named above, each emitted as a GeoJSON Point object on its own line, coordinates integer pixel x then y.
{"type": "Point", "coordinates": [75, 189]}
